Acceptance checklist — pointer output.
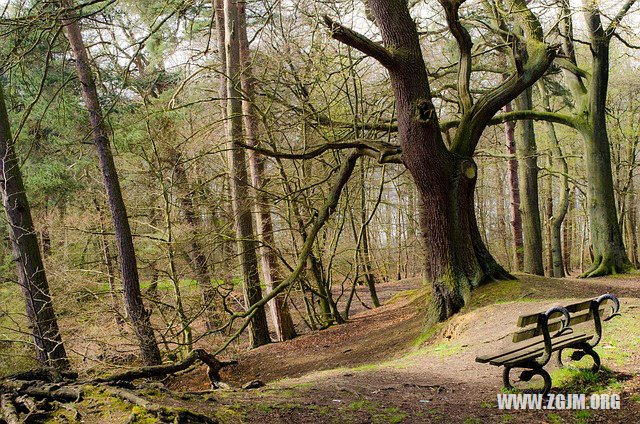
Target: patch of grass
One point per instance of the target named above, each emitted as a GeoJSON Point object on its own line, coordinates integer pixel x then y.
{"type": "Point", "coordinates": [444, 349]}
{"type": "Point", "coordinates": [486, 405]}
{"type": "Point", "coordinates": [506, 418]}
{"type": "Point", "coordinates": [569, 380]}
{"type": "Point", "coordinates": [554, 418]}
{"type": "Point", "coordinates": [472, 420]}
{"type": "Point", "coordinates": [582, 417]}
{"type": "Point", "coordinates": [635, 398]}
{"type": "Point", "coordinates": [497, 292]}
{"type": "Point", "coordinates": [367, 367]}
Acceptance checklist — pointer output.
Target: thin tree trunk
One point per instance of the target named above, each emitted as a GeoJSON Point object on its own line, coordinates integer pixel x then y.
{"type": "Point", "coordinates": [150, 354]}
{"type": "Point", "coordinates": [280, 315]}
{"type": "Point", "coordinates": [556, 219]}
{"type": "Point", "coordinates": [196, 252]}
{"type": "Point", "coordinates": [49, 348]}
{"type": "Point", "coordinates": [514, 194]}
{"type": "Point", "coordinates": [108, 264]}
{"type": "Point", "coordinates": [365, 256]}
{"type": "Point", "coordinates": [247, 246]}
{"type": "Point", "coordinates": [528, 179]}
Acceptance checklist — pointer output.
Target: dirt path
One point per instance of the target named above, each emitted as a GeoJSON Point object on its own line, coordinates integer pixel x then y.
{"type": "Point", "coordinates": [370, 370]}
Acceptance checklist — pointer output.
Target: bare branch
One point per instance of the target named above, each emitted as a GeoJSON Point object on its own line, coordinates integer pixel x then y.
{"type": "Point", "coordinates": [360, 42]}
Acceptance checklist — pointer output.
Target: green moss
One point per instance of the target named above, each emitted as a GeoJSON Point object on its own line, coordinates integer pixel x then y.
{"type": "Point", "coordinates": [142, 416]}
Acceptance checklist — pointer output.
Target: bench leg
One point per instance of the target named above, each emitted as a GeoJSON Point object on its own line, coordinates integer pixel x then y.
{"type": "Point", "coordinates": [527, 375]}
{"type": "Point", "coordinates": [578, 354]}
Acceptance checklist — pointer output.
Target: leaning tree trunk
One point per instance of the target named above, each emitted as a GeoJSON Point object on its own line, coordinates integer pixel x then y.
{"type": "Point", "coordinates": [150, 354]}
{"type": "Point", "coordinates": [280, 315]}
{"type": "Point", "coordinates": [31, 274]}
{"type": "Point", "coordinates": [247, 246]}
{"type": "Point", "coordinates": [528, 179]}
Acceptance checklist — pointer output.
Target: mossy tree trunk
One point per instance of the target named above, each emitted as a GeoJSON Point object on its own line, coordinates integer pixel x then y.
{"type": "Point", "coordinates": [528, 179]}
{"type": "Point", "coordinates": [609, 255]}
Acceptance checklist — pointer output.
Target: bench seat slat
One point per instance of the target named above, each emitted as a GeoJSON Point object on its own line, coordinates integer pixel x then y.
{"type": "Point", "coordinates": [534, 344]}
{"type": "Point", "coordinates": [540, 351]}
{"type": "Point", "coordinates": [554, 324]}
{"type": "Point", "coordinates": [526, 320]}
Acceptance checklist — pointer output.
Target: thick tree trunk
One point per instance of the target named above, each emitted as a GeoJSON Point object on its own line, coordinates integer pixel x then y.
{"type": "Point", "coordinates": [528, 179]}
{"type": "Point", "coordinates": [458, 260]}
{"type": "Point", "coordinates": [49, 348]}
{"type": "Point", "coordinates": [514, 194]}
{"type": "Point", "coordinates": [150, 354]}
{"type": "Point", "coordinates": [247, 246]}
{"type": "Point", "coordinates": [608, 244]}
{"type": "Point", "coordinates": [280, 315]}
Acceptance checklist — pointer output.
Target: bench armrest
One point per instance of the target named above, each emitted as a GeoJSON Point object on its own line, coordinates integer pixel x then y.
{"type": "Point", "coordinates": [614, 309]}
{"type": "Point", "coordinates": [548, 348]}
{"type": "Point", "coordinates": [597, 320]}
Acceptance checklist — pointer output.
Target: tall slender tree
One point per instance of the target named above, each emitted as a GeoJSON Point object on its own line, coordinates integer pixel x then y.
{"type": "Point", "coordinates": [528, 179]}
{"type": "Point", "coordinates": [242, 208]}
{"type": "Point", "coordinates": [150, 354]}
{"type": "Point", "coordinates": [280, 315]}
{"type": "Point", "coordinates": [590, 96]}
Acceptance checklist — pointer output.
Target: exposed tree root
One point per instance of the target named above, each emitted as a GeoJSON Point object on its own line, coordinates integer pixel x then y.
{"type": "Point", "coordinates": [29, 394]}
{"type": "Point", "coordinates": [162, 370]}
{"type": "Point", "coordinates": [38, 389]}
{"type": "Point", "coordinates": [604, 266]}
{"type": "Point", "coordinates": [164, 413]}
{"type": "Point", "coordinates": [9, 413]}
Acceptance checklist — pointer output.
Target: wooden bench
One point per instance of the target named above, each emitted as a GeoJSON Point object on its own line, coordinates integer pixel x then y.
{"type": "Point", "coordinates": [546, 334]}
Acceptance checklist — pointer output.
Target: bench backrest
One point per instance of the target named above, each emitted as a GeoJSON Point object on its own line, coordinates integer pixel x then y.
{"type": "Point", "coordinates": [532, 324]}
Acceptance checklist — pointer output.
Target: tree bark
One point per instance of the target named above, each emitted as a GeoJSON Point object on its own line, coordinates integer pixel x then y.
{"type": "Point", "coordinates": [32, 278]}
{"type": "Point", "coordinates": [258, 331]}
{"type": "Point", "coordinates": [280, 315]}
{"type": "Point", "coordinates": [150, 354]}
{"type": "Point", "coordinates": [514, 194]}
{"type": "Point", "coordinates": [528, 179]}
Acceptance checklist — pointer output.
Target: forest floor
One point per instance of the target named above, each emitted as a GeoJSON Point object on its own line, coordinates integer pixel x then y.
{"type": "Point", "coordinates": [381, 367]}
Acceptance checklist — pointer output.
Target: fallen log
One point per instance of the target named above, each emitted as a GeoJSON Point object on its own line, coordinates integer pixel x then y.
{"type": "Point", "coordinates": [9, 412]}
